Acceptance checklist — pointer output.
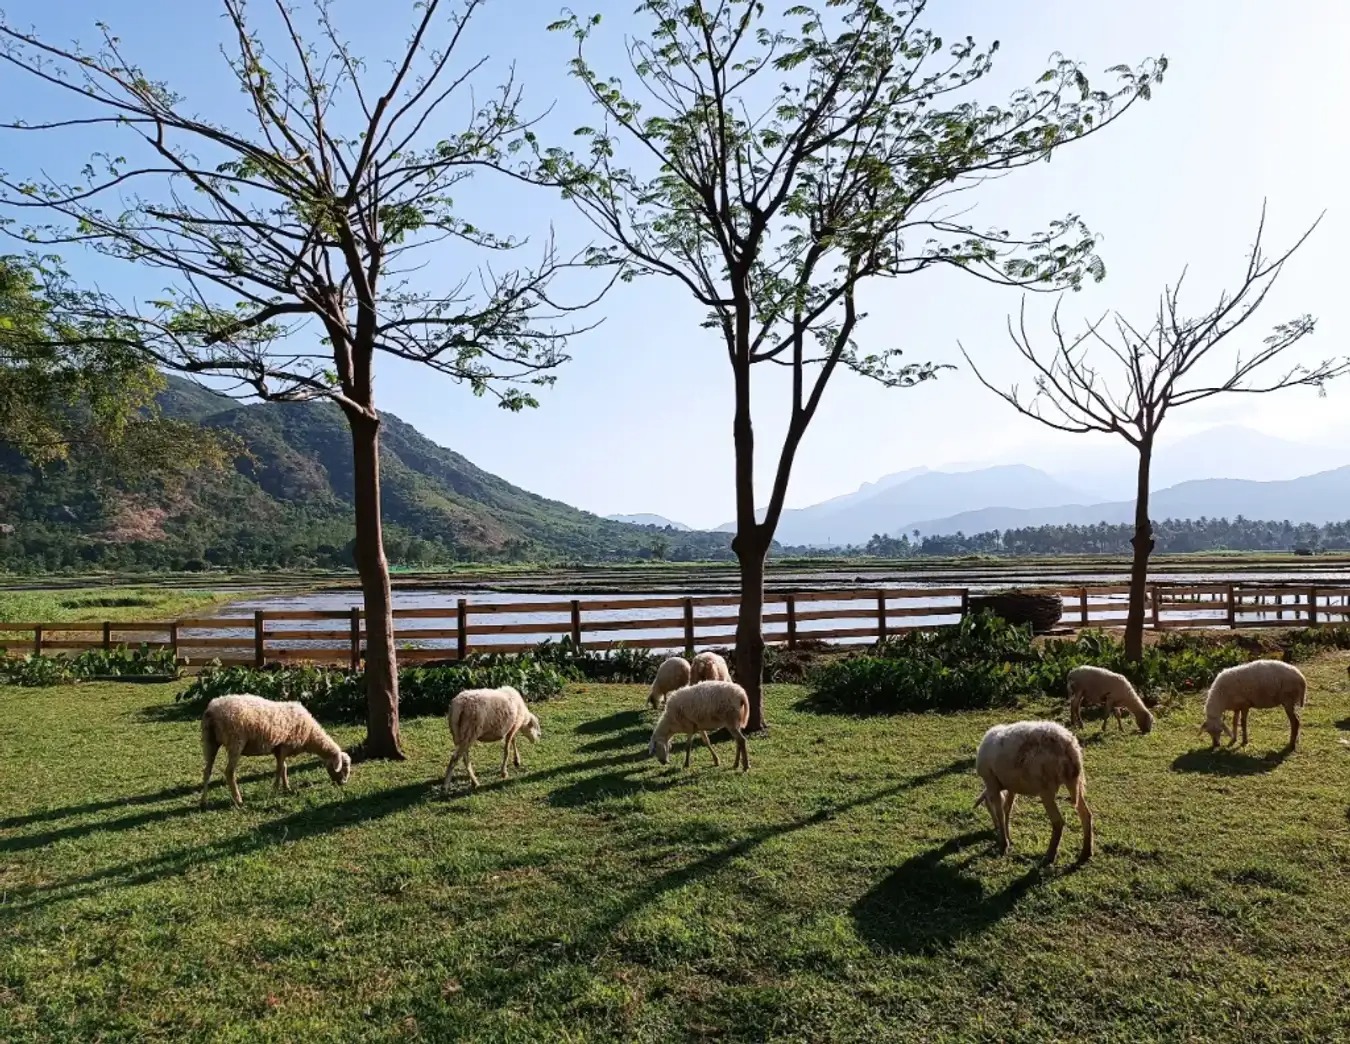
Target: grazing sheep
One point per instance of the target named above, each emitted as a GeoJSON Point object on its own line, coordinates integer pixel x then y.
{"type": "Point", "coordinates": [671, 675]}
{"type": "Point", "coordinates": [487, 715]}
{"type": "Point", "coordinates": [699, 709]}
{"type": "Point", "coordinates": [250, 725]}
{"type": "Point", "coordinates": [1260, 684]}
{"type": "Point", "coordinates": [1037, 758]}
{"type": "Point", "coordinates": [1096, 686]}
{"type": "Point", "coordinates": [708, 666]}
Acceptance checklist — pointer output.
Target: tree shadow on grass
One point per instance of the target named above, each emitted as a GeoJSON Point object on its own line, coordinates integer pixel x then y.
{"type": "Point", "coordinates": [161, 713]}
{"type": "Point", "coordinates": [156, 797]}
{"type": "Point", "coordinates": [929, 901]}
{"type": "Point", "coordinates": [1343, 724]}
{"type": "Point", "coordinates": [297, 826]}
{"type": "Point", "coordinates": [1228, 762]}
{"type": "Point", "coordinates": [616, 722]}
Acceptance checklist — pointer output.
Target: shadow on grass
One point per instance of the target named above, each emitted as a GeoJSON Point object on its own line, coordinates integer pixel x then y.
{"type": "Point", "coordinates": [309, 822]}
{"type": "Point", "coordinates": [160, 713]}
{"type": "Point", "coordinates": [616, 722]}
{"type": "Point", "coordinates": [1228, 762]}
{"type": "Point", "coordinates": [630, 739]}
{"type": "Point", "coordinates": [1343, 724]}
{"type": "Point", "coordinates": [185, 790]}
{"type": "Point", "coordinates": [929, 901]}
{"type": "Point", "coordinates": [617, 784]}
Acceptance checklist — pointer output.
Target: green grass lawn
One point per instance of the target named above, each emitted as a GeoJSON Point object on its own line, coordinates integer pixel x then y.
{"type": "Point", "coordinates": [844, 890]}
{"type": "Point", "coordinates": [79, 604]}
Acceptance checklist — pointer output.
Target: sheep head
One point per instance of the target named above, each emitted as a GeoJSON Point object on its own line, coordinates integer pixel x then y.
{"type": "Point", "coordinates": [1216, 728]}
{"type": "Point", "coordinates": [341, 770]}
{"type": "Point", "coordinates": [531, 729]}
{"type": "Point", "coordinates": [659, 749]}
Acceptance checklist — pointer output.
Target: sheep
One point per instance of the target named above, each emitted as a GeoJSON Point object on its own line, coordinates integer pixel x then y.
{"type": "Point", "coordinates": [708, 666]}
{"type": "Point", "coordinates": [671, 675]}
{"type": "Point", "coordinates": [488, 715]}
{"type": "Point", "coordinates": [249, 725]}
{"type": "Point", "coordinates": [695, 710]}
{"type": "Point", "coordinates": [1033, 757]}
{"type": "Point", "coordinates": [1260, 684]}
{"type": "Point", "coordinates": [1096, 686]}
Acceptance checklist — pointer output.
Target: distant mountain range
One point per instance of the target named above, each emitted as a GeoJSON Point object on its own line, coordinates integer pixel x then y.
{"type": "Point", "coordinates": [1220, 472]}
{"type": "Point", "coordinates": [288, 502]}
{"type": "Point", "coordinates": [658, 521]}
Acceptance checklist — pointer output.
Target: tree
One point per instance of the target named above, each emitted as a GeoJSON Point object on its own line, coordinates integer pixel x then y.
{"type": "Point", "coordinates": [292, 243]}
{"type": "Point", "coordinates": [780, 169]}
{"type": "Point", "coordinates": [71, 396]}
{"type": "Point", "coordinates": [1157, 369]}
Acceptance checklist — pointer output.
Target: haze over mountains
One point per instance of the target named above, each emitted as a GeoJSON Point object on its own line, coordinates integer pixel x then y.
{"type": "Point", "coordinates": [1220, 472]}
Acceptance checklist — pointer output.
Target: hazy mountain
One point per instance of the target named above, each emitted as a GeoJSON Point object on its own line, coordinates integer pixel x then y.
{"type": "Point", "coordinates": [1320, 498]}
{"type": "Point", "coordinates": [918, 493]}
{"type": "Point", "coordinates": [660, 521]}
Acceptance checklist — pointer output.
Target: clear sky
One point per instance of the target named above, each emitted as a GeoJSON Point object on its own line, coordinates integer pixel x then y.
{"type": "Point", "coordinates": [1254, 106]}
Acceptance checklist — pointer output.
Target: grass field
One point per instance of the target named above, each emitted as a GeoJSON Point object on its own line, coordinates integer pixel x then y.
{"type": "Point", "coordinates": [844, 890]}
{"type": "Point", "coordinates": [78, 604]}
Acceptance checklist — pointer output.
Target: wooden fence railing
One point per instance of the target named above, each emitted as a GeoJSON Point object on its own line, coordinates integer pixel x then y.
{"type": "Point", "coordinates": [455, 630]}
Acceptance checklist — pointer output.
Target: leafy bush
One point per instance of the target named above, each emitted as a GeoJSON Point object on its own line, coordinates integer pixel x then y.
{"type": "Point", "coordinates": [340, 696]}
{"type": "Point", "coordinates": [624, 665]}
{"type": "Point", "coordinates": [37, 671]}
{"type": "Point", "coordinates": [987, 662]}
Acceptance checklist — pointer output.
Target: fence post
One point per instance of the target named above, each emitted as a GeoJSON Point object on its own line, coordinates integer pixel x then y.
{"type": "Point", "coordinates": [356, 638]}
{"type": "Point", "coordinates": [576, 624]}
{"type": "Point", "coordinates": [1279, 604]}
{"type": "Point", "coordinates": [1232, 606]}
{"type": "Point", "coordinates": [792, 621]}
{"type": "Point", "coordinates": [1153, 595]}
{"type": "Point", "coordinates": [173, 639]}
{"type": "Point", "coordinates": [965, 602]}
{"type": "Point", "coordinates": [689, 627]}
{"type": "Point", "coordinates": [881, 616]}
{"type": "Point", "coordinates": [1082, 607]}
{"type": "Point", "coordinates": [37, 640]}
{"type": "Point", "coordinates": [462, 637]}
{"type": "Point", "coordinates": [259, 657]}
{"type": "Point", "coordinates": [1312, 607]}
{"type": "Point", "coordinates": [107, 635]}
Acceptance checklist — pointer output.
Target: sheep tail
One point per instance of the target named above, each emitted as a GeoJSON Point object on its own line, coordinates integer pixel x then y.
{"type": "Point", "coordinates": [209, 741]}
{"type": "Point", "coordinates": [744, 716]}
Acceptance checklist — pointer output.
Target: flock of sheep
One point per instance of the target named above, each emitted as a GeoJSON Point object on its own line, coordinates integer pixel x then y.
{"type": "Point", "coordinates": [1032, 758]}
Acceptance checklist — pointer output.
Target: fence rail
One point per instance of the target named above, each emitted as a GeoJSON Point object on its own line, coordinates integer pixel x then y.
{"type": "Point", "coordinates": [455, 630]}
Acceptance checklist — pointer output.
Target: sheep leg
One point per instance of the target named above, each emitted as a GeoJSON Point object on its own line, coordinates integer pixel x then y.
{"type": "Point", "coordinates": [1009, 799]}
{"type": "Point", "coordinates": [742, 749]}
{"type": "Point", "coordinates": [459, 752]}
{"type": "Point", "coordinates": [515, 750]}
{"type": "Point", "coordinates": [281, 781]}
{"type": "Point", "coordinates": [688, 749]}
{"type": "Point", "coordinates": [506, 750]}
{"type": "Point", "coordinates": [1119, 715]}
{"type": "Point", "coordinates": [1294, 725]}
{"type": "Point", "coordinates": [209, 749]}
{"type": "Point", "coordinates": [231, 770]}
{"type": "Point", "coordinates": [1245, 712]}
{"type": "Point", "coordinates": [1233, 733]}
{"type": "Point", "coordinates": [1076, 710]}
{"type": "Point", "coordinates": [708, 743]}
{"type": "Point", "coordinates": [1056, 825]}
{"type": "Point", "coordinates": [1085, 819]}
{"type": "Point", "coordinates": [468, 765]}
{"type": "Point", "coordinates": [993, 800]}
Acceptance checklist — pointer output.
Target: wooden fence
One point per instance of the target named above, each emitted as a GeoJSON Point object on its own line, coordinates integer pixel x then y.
{"type": "Point", "coordinates": [453, 631]}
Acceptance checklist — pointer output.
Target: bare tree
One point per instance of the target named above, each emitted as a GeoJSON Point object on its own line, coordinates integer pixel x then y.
{"type": "Point", "coordinates": [293, 244]}
{"type": "Point", "coordinates": [1153, 370]}
{"type": "Point", "coordinates": [774, 164]}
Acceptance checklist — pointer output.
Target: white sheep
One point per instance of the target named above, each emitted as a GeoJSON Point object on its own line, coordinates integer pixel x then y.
{"type": "Point", "coordinates": [249, 725]}
{"type": "Point", "coordinates": [1260, 684]}
{"type": "Point", "coordinates": [488, 715]}
{"type": "Point", "coordinates": [697, 710]}
{"type": "Point", "coordinates": [708, 666]}
{"type": "Point", "coordinates": [1037, 758]}
{"type": "Point", "coordinates": [1096, 686]}
{"type": "Point", "coordinates": [671, 675]}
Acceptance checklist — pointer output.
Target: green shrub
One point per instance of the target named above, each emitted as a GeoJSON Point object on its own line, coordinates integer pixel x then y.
{"type": "Point", "coordinates": [621, 665]}
{"type": "Point", "coordinates": [37, 671]}
{"type": "Point", "coordinates": [335, 695]}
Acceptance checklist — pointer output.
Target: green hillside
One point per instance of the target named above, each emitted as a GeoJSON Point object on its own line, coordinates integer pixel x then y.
{"type": "Point", "coordinates": [287, 503]}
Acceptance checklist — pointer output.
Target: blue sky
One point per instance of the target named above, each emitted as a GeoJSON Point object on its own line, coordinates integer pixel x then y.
{"type": "Point", "coordinates": [640, 419]}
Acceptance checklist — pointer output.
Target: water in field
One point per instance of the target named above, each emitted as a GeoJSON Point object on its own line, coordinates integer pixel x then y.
{"type": "Point", "coordinates": [714, 624]}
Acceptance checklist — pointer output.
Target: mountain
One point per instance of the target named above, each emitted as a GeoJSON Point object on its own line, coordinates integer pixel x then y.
{"type": "Point", "coordinates": [658, 521]}
{"type": "Point", "coordinates": [918, 493]}
{"type": "Point", "coordinates": [288, 502]}
{"type": "Point", "coordinates": [1320, 498]}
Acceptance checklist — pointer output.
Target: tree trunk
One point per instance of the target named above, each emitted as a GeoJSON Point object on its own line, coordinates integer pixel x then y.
{"type": "Point", "coordinates": [382, 738]}
{"type": "Point", "coordinates": [750, 628]}
{"type": "Point", "coordinates": [1142, 541]}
